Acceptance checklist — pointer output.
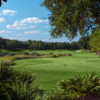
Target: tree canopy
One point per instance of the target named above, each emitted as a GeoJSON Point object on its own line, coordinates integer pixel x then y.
{"type": "Point", "coordinates": [95, 39]}
{"type": "Point", "coordinates": [36, 45]}
{"type": "Point", "coordinates": [84, 42]}
{"type": "Point", "coordinates": [1, 2]}
{"type": "Point", "coordinates": [68, 17]}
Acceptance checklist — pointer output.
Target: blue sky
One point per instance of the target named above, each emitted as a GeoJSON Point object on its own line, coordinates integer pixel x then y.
{"type": "Point", "coordinates": [23, 20]}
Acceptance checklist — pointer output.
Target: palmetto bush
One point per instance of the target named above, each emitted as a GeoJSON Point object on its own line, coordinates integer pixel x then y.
{"type": "Point", "coordinates": [17, 86]}
{"type": "Point", "coordinates": [81, 87]}
{"type": "Point", "coordinates": [22, 91]}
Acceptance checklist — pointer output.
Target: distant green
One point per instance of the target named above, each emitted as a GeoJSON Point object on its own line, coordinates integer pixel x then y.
{"type": "Point", "coordinates": [49, 71]}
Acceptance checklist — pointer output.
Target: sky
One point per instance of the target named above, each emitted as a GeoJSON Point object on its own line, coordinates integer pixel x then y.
{"type": "Point", "coordinates": [26, 20]}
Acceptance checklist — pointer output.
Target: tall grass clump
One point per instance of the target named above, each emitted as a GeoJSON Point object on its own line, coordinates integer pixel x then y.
{"type": "Point", "coordinates": [16, 86]}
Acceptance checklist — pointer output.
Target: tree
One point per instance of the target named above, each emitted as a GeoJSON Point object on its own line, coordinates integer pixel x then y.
{"type": "Point", "coordinates": [1, 2]}
{"type": "Point", "coordinates": [95, 40]}
{"type": "Point", "coordinates": [2, 43]}
{"type": "Point", "coordinates": [74, 46]}
{"type": "Point", "coordinates": [84, 42]}
{"type": "Point", "coordinates": [68, 17]}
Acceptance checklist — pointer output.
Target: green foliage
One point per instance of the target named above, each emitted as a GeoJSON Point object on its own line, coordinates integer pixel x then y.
{"type": "Point", "coordinates": [68, 17]}
{"type": "Point", "coordinates": [7, 62]}
{"type": "Point", "coordinates": [84, 42]}
{"type": "Point", "coordinates": [16, 86]}
{"type": "Point", "coordinates": [4, 88]}
{"type": "Point", "coordinates": [80, 86]}
{"type": "Point", "coordinates": [20, 46]}
{"type": "Point", "coordinates": [95, 39]}
{"type": "Point", "coordinates": [23, 91]}
{"type": "Point", "coordinates": [55, 55]}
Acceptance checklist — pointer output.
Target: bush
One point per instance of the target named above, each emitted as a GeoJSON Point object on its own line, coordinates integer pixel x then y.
{"type": "Point", "coordinates": [35, 54]}
{"type": "Point", "coordinates": [51, 53]}
{"type": "Point", "coordinates": [16, 86]}
{"type": "Point", "coordinates": [11, 54]}
{"type": "Point", "coordinates": [7, 62]}
{"type": "Point", "coordinates": [22, 56]}
{"type": "Point", "coordinates": [55, 55]}
{"type": "Point", "coordinates": [67, 54]}
{"type": "Point", "coordinates": [25, 53]}
{"type": "Point", "coordinates": [81, 86]}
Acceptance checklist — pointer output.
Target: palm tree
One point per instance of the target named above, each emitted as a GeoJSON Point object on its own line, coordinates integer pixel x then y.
{"type": "Point", "coordinates": [1, 2]}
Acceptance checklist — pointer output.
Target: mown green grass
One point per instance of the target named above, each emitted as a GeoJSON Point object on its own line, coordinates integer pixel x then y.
{"type": "Point", "coordinates": [49, 71]}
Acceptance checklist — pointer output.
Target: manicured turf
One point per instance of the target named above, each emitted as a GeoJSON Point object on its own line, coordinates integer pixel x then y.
{"type": "Point", "coordinates": [49, 71]}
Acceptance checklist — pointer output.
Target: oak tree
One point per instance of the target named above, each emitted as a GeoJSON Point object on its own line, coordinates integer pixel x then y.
{"type": "Point", "coordinates": [68, 17]}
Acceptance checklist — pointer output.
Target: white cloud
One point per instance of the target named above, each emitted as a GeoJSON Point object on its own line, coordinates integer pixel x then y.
{"type": "Point", "coordinates": [25, 23]}
{"type": "Point", "coordinates": [4, 32]}
{"type": "Point", "coordinates": [32, 26]}
{"type": "Point", "coordinates": [2, 20]}
{"type": "Point", "coordinates": [33, 20]}
{"type": "Point", "coordinates": [8, 12]}
{"type": "Point", "coordinates": [17, 25]}
{"type": "Point", "coordinates": [31, 32]}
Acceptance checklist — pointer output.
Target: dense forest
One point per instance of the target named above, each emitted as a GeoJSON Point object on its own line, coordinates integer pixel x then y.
{"type": "Point", "coordinates": [36, 45]}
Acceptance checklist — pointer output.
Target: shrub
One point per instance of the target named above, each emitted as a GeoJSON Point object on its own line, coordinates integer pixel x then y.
{"type": "Point", "coordinates": [55, 55]}
{"type": "Point", "coordinates": [65, 54]}
{"type": "Point", "coordinates": [3, 91]}
{"type": "Point", "coordinates": [35, 54]}
{"type": "Point", "coordinates": [7, 62]}
{"type": "Point", "coordinates": [81, 86]}
{"type": "Point", "coordinates": [17, 86]}
{"type": "Point", "coordinates": [51, 53]}
{"type": "Point", "coordinates": [11, 54]}
{"type": "Point", "coordinates": [22, 91]}
{"type": "Point", "coordinates": [25, 53]}
{"type": "Point", "coordinates": [22, 56]}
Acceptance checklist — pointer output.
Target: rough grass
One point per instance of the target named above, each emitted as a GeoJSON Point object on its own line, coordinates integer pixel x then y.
{"type": "Point", "coordinates": [49, 71]}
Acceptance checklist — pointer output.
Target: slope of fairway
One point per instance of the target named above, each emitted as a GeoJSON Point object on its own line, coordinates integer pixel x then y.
{"type": "Point", "coordinates": [49, 71]}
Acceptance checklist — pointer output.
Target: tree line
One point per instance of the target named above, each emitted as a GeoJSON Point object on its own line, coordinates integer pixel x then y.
{"type": "Point", "coordinates": [36, 45]}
